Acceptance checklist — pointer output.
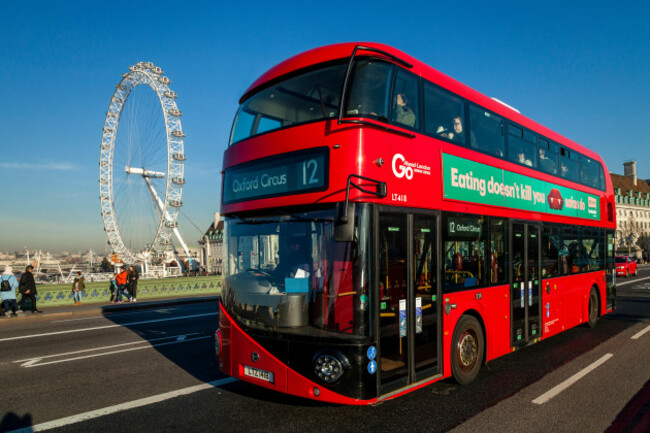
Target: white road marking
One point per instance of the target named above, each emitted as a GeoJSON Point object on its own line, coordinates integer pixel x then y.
{"type": "Point", "coordinates": [35, 362]}
{"type": "Point", "coordinates": [112, 314]}
{"type": "Point", "coordinates": [76, 320]}
{"type": "Point", "coordinates": [95, 328]}
{"type": "Point", "coordinates": [640, 333]}
{"type": "Point", "coordinates": [61, 422]}
{"type": "Point", "coordinates": [632, 282]}
{"type": "Point", "coordinates": [570, 381]}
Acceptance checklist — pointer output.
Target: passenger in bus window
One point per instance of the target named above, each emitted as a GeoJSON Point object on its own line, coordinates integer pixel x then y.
{"type": "Point", "coordinates": [403, 113]}
{"type": "Point", "coordinates": [563, 169]}
{"type": "Point", "coordinates": [546, 163]}
{"type": "Point", "coordinates": [457, 133]}
{"type": "Point", "coordinates": [521, 159]}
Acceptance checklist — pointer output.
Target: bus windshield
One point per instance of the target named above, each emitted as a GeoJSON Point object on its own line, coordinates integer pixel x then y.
{"type": "Point", "coordinates": [316, 95]}
{"type": "Point", "coordinates": [311, 96]}
{"type": "Point", "coordinates": [287, 273]}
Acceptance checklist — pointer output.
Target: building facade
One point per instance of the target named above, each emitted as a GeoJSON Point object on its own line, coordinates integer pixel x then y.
{"type": "Point", "coordinates": [632, 212]}
{"type": "Point", "coordinates": [211, 247]}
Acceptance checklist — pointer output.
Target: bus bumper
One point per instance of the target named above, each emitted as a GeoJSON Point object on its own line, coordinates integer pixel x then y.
{"type": "Point", "coordinates": [243, 358]}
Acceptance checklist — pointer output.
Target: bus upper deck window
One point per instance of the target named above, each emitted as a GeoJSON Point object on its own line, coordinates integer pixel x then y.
{"type": "Point", "coordinates": [370, 89]}
{"type": "Point", "coordinates": [406, 100]}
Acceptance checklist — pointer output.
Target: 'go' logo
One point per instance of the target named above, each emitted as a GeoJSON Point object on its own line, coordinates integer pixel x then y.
{"type": "Point", "coordinates": [399, 170]}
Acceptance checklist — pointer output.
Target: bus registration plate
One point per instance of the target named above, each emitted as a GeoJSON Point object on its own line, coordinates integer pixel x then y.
{"type": "Point", "coordinates": [258, 374]}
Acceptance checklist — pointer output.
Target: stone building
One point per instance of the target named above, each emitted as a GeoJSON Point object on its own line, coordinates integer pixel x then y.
{"type": "Point", "coordinates": [211, 247]}
{"type": "Point", "coordinates": [632, 211]}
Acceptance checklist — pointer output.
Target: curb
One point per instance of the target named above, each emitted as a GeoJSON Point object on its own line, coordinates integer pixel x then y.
{"type": "Point", "coordinates": [107, 309]}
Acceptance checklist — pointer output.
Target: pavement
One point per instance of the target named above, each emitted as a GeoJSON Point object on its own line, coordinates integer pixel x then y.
{"type": "Point", "coordinates": [99, 309]}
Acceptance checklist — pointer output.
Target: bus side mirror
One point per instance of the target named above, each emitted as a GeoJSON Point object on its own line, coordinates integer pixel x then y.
{"type": "Point", "coordinates": [344, 224]}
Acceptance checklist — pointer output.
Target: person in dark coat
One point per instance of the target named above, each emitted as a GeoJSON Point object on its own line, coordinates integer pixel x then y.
{"type": "Point", "coordinates": [132, 282]}
{"type": "Point", "coordinates": [27, 288]}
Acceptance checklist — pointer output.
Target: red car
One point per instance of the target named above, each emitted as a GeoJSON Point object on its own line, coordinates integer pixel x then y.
{"type": "Point", "coordinates": [625, 266]}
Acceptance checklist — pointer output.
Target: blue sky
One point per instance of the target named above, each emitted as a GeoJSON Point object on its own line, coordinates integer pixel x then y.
{"type": "Point", "coordinates": [581, 69]}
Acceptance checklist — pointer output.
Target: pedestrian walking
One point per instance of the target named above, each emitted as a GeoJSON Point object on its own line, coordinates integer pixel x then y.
{"type": "Point", "coordinates": [8, 286]}
{"type": "Point", "coordinates": [27, 288]}
{"type": "Point", "coordinates": [78, 286]}
{"type": "Point", "coordinates": [122, 279]}
{"type": "Point", "coordinates": [114, 289]}
{"type": "Point", "coordinates": [132, 281]}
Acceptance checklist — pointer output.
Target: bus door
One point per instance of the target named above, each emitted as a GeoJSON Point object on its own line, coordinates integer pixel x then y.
{"type": "Point", "coordinates": [407, 283]}
{"type": "Point", "coordinates": [525, 267]}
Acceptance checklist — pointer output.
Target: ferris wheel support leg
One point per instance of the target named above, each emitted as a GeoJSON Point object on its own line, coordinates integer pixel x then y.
{"type": "Point", "coordinates": [159, 205]}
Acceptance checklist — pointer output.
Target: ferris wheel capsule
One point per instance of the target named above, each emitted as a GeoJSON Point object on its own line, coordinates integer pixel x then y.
{"type": "Point", "coordinates": [175, 112]}
{"type": "Point", "coordinates": [179, 156]}
{"type": "Point", "coordinates": [178, 134]}
{"type": "Point", "coordinates": [170, 94]}
{"type": "Point", "coordinates": [148, 65]}
{"type": "Point", "coordinates": [156, 70]}
{"type": "Point", "coordinates": [164, 80]}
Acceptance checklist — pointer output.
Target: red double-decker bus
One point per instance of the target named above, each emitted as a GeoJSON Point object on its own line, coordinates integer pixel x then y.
{"type": "Point", "coordinates": [387, 226]}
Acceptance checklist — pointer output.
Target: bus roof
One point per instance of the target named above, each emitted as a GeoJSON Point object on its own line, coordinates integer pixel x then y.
{"type": "Point", "coordinates": [344, 50]}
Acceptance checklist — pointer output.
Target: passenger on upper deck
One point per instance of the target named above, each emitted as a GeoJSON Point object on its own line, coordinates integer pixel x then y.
{"type": "Point", "coordinates": [458, 134]}
{"type": "Point", "coordinates": [521, 159]}
{"type": "Point", "coordinates": [564, 170]}
{"type": "Point", "coordinates": [547, 164]}
{"type": "Point", "coordinates": [402, 113]}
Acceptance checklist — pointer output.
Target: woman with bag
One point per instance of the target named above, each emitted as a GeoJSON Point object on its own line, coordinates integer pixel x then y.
{"type": "Point", "coordinates": [27, 288]}
{"type": "Point", "coordinates": [8, 297]}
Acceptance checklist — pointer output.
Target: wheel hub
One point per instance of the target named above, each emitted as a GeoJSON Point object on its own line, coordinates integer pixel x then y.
{"type": "Point", "coordinates": [468, 350]}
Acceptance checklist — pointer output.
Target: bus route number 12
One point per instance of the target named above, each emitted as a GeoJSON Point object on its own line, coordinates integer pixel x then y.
{"type": "Point", "coordinates": [309, 170]}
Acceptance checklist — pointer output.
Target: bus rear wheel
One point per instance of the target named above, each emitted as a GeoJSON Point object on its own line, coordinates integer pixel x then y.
{"type": "Point", "coordinates": [593, 308]}
{"type": "Point", "coordinates": [468, 346]}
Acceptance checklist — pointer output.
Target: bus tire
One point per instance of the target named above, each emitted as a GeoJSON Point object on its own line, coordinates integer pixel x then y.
{"type": "Point", "coordinates": [594, 308]}
{"type": "Point", "coordinates": [467, 349]}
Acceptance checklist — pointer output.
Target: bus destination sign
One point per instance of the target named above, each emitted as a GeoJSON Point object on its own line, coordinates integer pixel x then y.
{"type": "Point", "coordinates": [474, 182]}
{"type": "Point", "coordinates": [291, 173]}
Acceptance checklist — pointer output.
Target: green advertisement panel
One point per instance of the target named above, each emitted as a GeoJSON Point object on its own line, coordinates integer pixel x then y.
{"type": "Point", "coordinates": [474, 182]}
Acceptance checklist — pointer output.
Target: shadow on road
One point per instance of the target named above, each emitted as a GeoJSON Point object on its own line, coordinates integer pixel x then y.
{"type": "Point", "coordinates": [183, 334]}
{"type": "Point", "coordinates": [12, 421]}
{"type": "Point", "coordinates": [445, 402]}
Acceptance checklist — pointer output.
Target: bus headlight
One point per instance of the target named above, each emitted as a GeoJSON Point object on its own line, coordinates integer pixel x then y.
{"type": "Point", "coordinates": [329, 367]}
{"type": "Point", "coordinates": [217, 342]}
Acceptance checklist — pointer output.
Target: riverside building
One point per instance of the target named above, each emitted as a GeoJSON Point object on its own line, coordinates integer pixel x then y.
{"type": "Point", "coordinates": [632, 212]}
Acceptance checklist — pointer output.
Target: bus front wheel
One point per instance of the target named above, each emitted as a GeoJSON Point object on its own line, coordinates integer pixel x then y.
{"type": "Point", "coordinates": [468, 346]}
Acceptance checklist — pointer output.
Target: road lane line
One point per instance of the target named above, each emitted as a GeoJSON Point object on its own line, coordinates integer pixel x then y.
{"type": "Point", "coordinates": [95, 328]}
{"type": "Point", "coordinates": [640, 333]}
{"type": "Point", "coordinates": [633, 281]}
{"type": "Point", "coordinates": [112, 346]}
{"type": "Point", "coordinates": [76, 320]}
{"type": "Point", "coordinates": [86, 416]}
{"type": "Point", "coordinates": [113, 352]}
{"type": "Point", "coordinates": [570, 381]}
